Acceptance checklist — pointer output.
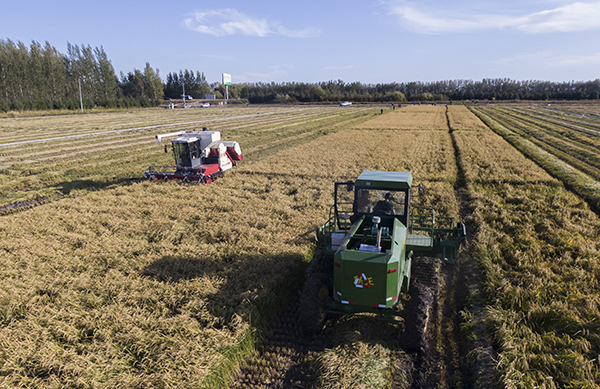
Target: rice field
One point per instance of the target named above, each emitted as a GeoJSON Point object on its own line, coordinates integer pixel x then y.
{"type": "Point", "coordinates": [537, 243]}
{"type": "Point", "coordinates": [108, 280]}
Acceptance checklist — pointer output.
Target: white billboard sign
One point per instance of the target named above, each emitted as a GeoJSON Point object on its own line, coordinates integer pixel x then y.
{"type": "Point", "coordinates": [226, 79]}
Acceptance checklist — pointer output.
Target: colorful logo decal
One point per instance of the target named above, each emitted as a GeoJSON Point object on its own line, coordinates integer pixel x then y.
{"type": "Point", "coordinates": [362, 281]}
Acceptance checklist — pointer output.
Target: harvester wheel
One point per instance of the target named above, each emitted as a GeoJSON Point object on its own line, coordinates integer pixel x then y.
{"type": "Point", "coordinates": [311, 312]}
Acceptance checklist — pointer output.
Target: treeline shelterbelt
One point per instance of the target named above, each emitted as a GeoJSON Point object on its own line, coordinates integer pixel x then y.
{"type": "Point", "coordinates": [487, 89]}
{"type": "Point", "coordinates": [40, 77]}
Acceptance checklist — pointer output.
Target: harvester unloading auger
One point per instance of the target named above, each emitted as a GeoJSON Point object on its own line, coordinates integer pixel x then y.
{"type": "Point", "coordinates": [200, 156]}
{"type": "Point", "coordinates": [366, 251]}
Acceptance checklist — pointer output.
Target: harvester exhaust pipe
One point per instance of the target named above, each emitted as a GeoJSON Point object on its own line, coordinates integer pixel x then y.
{"type": "Point", "coordinates": [376, 220]}
{"type": "Point", "coordinates": [159, 137]}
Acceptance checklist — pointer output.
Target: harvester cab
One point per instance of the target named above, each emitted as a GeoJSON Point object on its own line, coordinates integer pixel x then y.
{"type": "Point", "coordinates": [366, 248]}
{"type": "Point", "coordinates": [200, 156]}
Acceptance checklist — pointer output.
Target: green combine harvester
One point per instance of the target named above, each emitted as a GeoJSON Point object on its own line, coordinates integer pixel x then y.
{"type": "Point", "coordinates": [366, 252]}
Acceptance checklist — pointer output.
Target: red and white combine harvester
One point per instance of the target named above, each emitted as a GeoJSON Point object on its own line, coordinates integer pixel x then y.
{"type": "Point", "coordinates": [200, 156]}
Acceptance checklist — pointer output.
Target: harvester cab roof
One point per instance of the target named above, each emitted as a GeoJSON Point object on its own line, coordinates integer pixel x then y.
{"type": "Point", "coordinates": [190, 148]}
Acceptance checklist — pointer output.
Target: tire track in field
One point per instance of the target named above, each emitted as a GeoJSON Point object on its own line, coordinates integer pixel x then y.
{"type": "Point", "coordinates": [285, 355]}
{"type": "Point", "coordinates": [445, 361]}
{"type": "Point", "coordinates": [467, 296]}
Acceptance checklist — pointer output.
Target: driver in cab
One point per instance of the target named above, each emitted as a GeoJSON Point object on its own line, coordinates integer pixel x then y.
{"type": "Point", "coordinates": [385, 206]}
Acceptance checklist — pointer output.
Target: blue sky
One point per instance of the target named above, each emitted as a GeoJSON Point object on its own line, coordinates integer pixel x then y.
{"type": "Point", "coordinates": [311, 41]}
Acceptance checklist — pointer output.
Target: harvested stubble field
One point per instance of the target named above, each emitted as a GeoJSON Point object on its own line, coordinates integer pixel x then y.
{"type": "Point", "coordinates": [37, 172]}
{"type": "Point", "coordinates": [128, 283]}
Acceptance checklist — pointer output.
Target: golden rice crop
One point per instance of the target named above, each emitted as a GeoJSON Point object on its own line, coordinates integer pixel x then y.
{"type": "Point", "coordinates": [153, 284]}
{"type": "Point", "coordinates": [149, 284]}
{"type": "Point", "coordinates": [537, 245]}
{"type": "Point", "coordinates": [411, 117]}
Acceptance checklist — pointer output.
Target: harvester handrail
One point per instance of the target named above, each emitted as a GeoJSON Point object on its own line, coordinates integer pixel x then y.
{"type": "Point", "coordinates": [436, 226]}
{"type": "Point", "coordinates": [421, 221]}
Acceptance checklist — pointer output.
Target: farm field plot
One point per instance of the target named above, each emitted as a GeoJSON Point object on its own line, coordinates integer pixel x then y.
{"type": "Point", "coordinates": [155, 284]}
{"type": "Point", "coordinates": [38, 172]}
{"type": "Point", "coordinates": [567, 148]}
{"type": "Point", "coordinates": [39, 127]}
{"type": "Point", "coordinates": [412, 117]}
{"type": "Point", "coordinates": [590, 108]}
{"type": "Point", "coordinates": [363, 352]}
{"type": "Point", "coordinates": [537, 245]}
{"type": "Point", "coordinates": [130, 283]}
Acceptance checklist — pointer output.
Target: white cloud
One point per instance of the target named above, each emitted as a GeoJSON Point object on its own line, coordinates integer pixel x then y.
{"type": "Point", "coordinates": [578, 16]}
{"type": "Point", "coordinates": [311, 32]}
{"type": "Point", "coordinates": [573, 17]}
{"type": "Point", "coordinates": [225, 22]}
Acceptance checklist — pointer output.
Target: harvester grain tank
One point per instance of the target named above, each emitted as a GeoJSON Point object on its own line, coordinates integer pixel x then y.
{"type": "Point", "coordinates": [368, 247]}
{"type": "Point", "coordinates": [200, 156]}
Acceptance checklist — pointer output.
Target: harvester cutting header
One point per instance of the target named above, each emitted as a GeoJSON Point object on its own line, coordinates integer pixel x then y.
{"type": "Point", "coordinates": [200, 156]}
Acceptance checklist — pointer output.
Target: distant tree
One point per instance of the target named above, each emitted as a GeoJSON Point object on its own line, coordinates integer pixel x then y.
{"type": "Point", "coordinates": [106, 78]}
{"type": "Point", "coordinates": [153, 85]}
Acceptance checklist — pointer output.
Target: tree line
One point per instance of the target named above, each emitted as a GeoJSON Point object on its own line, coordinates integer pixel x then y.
{"type": "Point", "coordinates": [487, 89]}
{"type": "Point", "coordinates": [40, 77]}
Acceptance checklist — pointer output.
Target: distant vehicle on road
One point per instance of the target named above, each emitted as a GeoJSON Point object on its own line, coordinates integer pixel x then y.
{"type": "Point", "coordinates": [345, 104]}
{"type": "Point", "coordinates": [205, 105]}
{"type": "Point", "coordinates": [187, 97]}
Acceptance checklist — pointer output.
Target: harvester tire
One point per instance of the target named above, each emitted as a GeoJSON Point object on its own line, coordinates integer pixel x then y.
{"type": "Point", "coordinates": [311, 312]}
{"type": "Point", "coordinates": [418, 319]}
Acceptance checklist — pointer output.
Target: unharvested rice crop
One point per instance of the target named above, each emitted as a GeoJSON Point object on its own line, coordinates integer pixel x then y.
{"type": "Point", "coordinates": [411, 117]}
{"type": "Point", "coordinates": [537, 244]}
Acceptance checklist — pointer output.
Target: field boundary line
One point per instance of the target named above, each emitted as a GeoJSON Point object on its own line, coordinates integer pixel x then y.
{"type": "Point", "coordinates": [147, 127]}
